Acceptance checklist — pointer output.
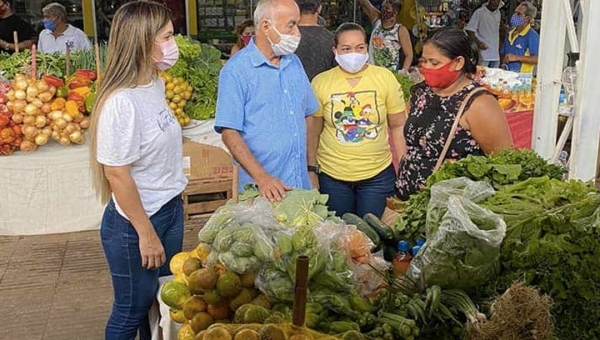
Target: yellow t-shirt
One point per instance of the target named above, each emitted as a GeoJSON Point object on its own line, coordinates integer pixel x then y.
{"type": "Point", "coordinates": [354, 143]}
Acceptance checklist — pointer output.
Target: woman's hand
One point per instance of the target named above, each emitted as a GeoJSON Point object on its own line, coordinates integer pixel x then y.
{"type": "Point", "coordinates": [151, 250]}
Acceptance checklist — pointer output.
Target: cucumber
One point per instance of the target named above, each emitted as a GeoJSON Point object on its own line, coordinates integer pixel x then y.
{"type": "Point", "coordinates": [365, 228]}
{"type": "Point", "coordinates": [384, 231]}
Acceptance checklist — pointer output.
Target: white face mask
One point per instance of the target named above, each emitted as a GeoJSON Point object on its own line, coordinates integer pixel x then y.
{"type": "Point", "coordinates": [352, 62]}
{"type": "Point", "coordinates": [287, 44]}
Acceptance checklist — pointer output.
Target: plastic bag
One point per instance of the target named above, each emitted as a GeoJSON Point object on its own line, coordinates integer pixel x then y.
{"type": "Point", "coordinates": [440, 193]}
{"type": "Point", "coordinates": [465, 251]}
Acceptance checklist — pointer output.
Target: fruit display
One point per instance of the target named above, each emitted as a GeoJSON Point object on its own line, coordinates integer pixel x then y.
{"type": "Point", "coordinates": [177, 92]}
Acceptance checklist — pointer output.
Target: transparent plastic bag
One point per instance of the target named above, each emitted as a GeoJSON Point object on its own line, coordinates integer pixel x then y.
{"type": "Point", "coordinates": [441, 192]}
{"type": "Point", "coordinates": [465, 251]}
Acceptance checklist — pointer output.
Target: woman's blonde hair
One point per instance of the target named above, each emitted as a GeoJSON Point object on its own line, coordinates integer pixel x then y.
{"type": "Point", "coordinates": [129, 57]}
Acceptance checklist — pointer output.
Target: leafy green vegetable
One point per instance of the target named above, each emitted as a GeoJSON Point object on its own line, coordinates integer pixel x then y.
{"type": "Point", "coordinates": [406, 83]}
{"type": "Point", "coordinates": [553, 242]}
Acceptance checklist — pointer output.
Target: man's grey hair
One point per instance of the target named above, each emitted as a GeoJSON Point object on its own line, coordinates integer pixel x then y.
{"type": "Point", "coordinates": [264, 10]}
{"type": "Point", "coordinates": [57, 10]}
{"type": "Point", "coordinates": [530, 9]}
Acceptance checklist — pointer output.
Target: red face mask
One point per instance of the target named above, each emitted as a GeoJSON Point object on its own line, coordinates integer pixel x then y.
{"type": "Point", "coordinates": [246, 39]}
{"type": "Point", "coordinates": [440, 77]}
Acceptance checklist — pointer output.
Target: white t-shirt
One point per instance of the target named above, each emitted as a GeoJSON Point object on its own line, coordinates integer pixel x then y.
{"type": "Point", "coordinates": [48, 43]}
{"type": "Point", "coordinates": [486, 25]}
{"type": "Point", "coordinates": [137, 127]}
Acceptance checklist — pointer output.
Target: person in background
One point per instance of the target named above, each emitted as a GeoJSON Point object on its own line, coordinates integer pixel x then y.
{"type": "Point", "coordinates": [136, 152]}
{"type": "Point", "coordinates": [521, 46]}
{"type": "Point", "coordinates": [263, 99]}
{"type": "Point", "coordinates": [57, 33]}
{"type": "Point", "coordinates": [244, 32]}
{"type": "Point", "coordinates": [484, 28]}
{"type": "Point", "coordinates": [316, 47]}
{"type": "Point", "coordinates": [348, 135]}
{"type": "Point", "coordinates": [390, 44]}
{"type": "Point", "coordinates": [9, 23]}
{"type": "Point", "coordinates": [449, 61]}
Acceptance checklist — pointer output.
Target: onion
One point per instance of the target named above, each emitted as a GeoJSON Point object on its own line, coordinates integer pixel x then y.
{"type": "Point", "coordinates": [61, 123]}
{"type": "Point", "coordinates": [29, 120]}
{"type": "Point", "coordinates": [19, 105]}
{"type": "Point", "coordinates": [17, 118]}
{"type": "Point", "coordinates": [71, 128]}
{"type": "Point", "coordinates": [29, 131]}
{"type": "Point", "coordinates": [45, 108]}
{"type": "Point", "coordinates": [10, 95]}
{"type": "Point", "coordinates": [46, 96]}
{"type": "Point", "coordinates": [27, 146]}
{"type": "Point", "coordinates": [76, 137]}
{"type": "Point", "coordinates": [37, 102]}
{"type": "Point", "coordinates": [64, 141]}
{"type": "Point", "coordinates": [78, 118]}
{"type": "Point", "coordinates": [54, 115]}
{"type": "Point", "coordinates": [30, 110]}
{"type": "Point", "coordinates": [47, 131]}
{"type": "Point", "coordinates": [67, 117]}
{"type": "Point", "coordinates": [32, 91]}
{"type": "Point", "coordinates": [42, 86]}
{"type": "Point", "coordinates": [41, 139]}
{"type": "Point", "coordinates": [55, 135]}
{"type": "Point", "coordinates": [9, 105]}
{"type": "Point", "coordinates": [52, 90]}
{"type": "Point", "coordinates": [21, 83]}
{"type": "Point", "coordinates": [40, 121]}
{"type": "Point", "coordinates": [85, 123]}
{"type": "Point", "coordinates": [20, 94]}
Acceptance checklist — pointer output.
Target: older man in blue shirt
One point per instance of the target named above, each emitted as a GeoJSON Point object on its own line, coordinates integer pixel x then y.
{"type": "Point", "coordinates": [263, 100]}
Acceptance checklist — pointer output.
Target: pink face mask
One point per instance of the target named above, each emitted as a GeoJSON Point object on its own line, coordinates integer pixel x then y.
{"type": "Point", "coordinates": [246, 39]}
{"type": "Point", "coordinates": [170, 54]}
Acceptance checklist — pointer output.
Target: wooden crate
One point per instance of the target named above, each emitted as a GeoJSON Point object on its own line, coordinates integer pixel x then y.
{"type": "Point", "coordinates": [202, 196]}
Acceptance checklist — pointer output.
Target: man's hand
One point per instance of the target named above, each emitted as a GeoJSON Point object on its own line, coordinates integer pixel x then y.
{"type": "Point", "coordinates": [271, 188]}
{"type": "Point", "coordinates": [314, 179]}
{"type": "Point", "coordinates": [152, 251]}
{"type": "Point", "coordinates": [510, 58]}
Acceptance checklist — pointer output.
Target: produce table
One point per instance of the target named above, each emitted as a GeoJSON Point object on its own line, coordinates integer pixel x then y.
{"type": "Point", "coordinates": [48, 191]}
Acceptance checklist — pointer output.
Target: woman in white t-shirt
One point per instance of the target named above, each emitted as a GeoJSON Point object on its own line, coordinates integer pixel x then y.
{"type": "Point", "coordinates": [136, 160]}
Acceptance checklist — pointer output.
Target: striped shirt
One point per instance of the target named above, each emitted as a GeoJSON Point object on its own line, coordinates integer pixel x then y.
{"type": "Point", "coordinates": [268, 106]}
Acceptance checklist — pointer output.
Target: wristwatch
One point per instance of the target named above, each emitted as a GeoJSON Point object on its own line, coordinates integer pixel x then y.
{"type": "Point", "coordinates": [314, 168]}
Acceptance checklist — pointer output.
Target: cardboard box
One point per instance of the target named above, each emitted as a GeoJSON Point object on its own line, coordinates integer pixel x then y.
{"type": "Point", "coordinates": [205, 161]}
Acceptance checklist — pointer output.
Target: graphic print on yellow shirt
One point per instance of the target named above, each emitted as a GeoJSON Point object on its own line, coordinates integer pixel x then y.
{"type": "Point", "coordinates": [355, 116]}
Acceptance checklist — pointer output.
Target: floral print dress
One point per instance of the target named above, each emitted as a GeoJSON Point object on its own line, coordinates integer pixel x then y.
{"type": "Point", "coordinates": [426, 130]}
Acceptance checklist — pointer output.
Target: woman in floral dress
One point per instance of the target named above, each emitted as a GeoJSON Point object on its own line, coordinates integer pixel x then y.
{"type": "Point", "coordinates": [449, 60]}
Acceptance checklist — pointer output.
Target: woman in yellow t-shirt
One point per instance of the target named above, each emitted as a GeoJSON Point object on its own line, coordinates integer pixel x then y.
{"type": "Point", "coordinates": [349, 153]}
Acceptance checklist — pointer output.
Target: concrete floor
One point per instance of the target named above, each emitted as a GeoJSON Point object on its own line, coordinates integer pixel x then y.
{"type": "Point", "coordinates": [57, 287]}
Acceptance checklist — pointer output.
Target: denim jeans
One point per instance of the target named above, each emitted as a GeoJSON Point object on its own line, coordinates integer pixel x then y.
{"type": "Point", "coordinates": [490, 63]}
{"type": "Point", "coordinates": [359, 198]}
{"type": "Point", "coordinates": [135, 287]}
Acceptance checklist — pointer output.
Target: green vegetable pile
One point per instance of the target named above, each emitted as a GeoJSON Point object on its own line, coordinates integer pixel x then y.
{"type": "Point", "coordinates": [552, 236]}
{"type": "Point", "coordinates": [553, 242]}
{"type": "Point", "coordinates": [406, 83]}
{"type": "Point", "coordinates": [199, 64]}
{"type": "Point", "coordinates": [49, 63]}
{"type": "Point", "coordinates": [505, 168]}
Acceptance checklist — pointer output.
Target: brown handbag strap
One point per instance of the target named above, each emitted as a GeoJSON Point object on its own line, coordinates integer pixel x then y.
{"type": "Point", "coordinates": [450, 138]}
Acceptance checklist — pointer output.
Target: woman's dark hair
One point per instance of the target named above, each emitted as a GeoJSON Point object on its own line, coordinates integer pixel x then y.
{"type": "Point", "coordinates": [396, 5]}
{"type": "Point", "coordinates": [239, 29]}
{"type": "Point", "coordinates": [453, 43]}
{"type": "Point", "coordinates": [347, 27]}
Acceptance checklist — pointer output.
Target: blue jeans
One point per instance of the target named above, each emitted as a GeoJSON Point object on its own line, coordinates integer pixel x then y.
{"type": "Point", "coordinates": [359, 198]}
{"type": "Point", "coordinates": [135, 287]}
{"type": "Point", "coordinates": [490, 63]}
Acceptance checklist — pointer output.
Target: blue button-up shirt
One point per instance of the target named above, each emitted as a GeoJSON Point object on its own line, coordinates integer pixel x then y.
{"type": "Point", "coordinates": [268, 106]}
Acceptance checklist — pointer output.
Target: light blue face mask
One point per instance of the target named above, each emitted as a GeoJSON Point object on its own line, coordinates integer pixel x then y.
{"type": "Point", "coordinates": [49, 24]}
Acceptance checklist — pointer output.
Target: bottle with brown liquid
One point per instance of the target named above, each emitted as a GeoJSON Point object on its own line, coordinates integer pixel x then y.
{"type": "Point", "coordinates": [402, 259]}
